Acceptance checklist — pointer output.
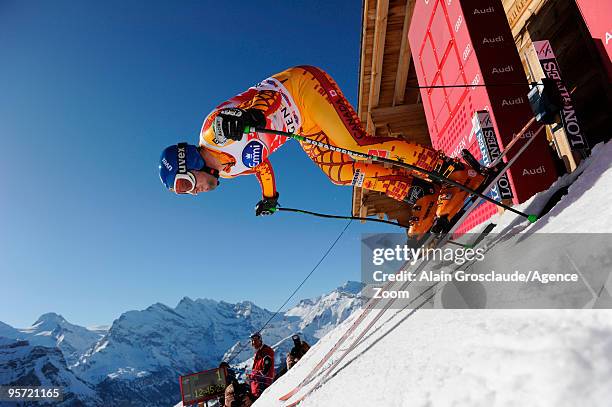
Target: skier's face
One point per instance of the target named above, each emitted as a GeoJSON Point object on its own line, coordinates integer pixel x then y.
{"type": "Point", "coordinates": [256, 342]}
{"type": "Point", "coordinates": [204, 182]}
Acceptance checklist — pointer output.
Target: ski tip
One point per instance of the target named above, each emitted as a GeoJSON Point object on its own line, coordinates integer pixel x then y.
{"type": "Point", "coordinates": [288, 395]}
{"type": "Point", "coordinates": [295, 403]}
{"type": "Point", "coordinates": [532, 218]}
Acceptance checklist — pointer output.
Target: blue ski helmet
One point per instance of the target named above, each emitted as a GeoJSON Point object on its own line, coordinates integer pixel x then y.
{"type": "Point", "coordinates": [179, 158]}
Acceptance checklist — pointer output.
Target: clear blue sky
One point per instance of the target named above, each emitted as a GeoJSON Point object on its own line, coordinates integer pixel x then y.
{"type": "Point", "coordinates": [92, 91]}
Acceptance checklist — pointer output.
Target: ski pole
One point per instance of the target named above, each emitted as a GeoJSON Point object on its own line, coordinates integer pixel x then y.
{"type": "Point", "coordinates": [298, 137]}
{"type": "Point", "coordinates": [482, 85]}
{"type": "Point", "coordinates": [325, 215]}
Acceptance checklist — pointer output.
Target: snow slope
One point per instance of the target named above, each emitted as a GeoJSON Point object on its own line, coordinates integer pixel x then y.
{"type": "Point", "coordinates": [484, 357]}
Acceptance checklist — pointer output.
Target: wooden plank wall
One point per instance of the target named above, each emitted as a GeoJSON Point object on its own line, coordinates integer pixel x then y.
{"type": "Point", "coordinates": [560, 22]}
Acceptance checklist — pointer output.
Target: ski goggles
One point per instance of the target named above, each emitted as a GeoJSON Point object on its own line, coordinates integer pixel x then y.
{"type": "Point", "coordinates": [184, 183]}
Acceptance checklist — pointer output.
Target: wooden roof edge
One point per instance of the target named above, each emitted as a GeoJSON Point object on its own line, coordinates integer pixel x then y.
{"type": "Point", "coordinates": [364, 25]}
{"type": "Point", "coordinates": [378, 51]}
{"type": "Point", "coordinates": [405, 57]}
{"type": "Point", "coordinates": [368, 96]}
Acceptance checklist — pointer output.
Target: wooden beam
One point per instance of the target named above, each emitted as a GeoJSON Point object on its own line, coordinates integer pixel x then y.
{"type": "Point", "coordinates": [380, 33]}
{"type": "Point", "coordinates": [403, 65]}
{"type": "Point", "coordinates": [363, 54]}
{"type": "Point", "coordinates": [363, 209]}
{"type": "Point", "coordinates": [373, 198]}
{"type": "Point", "coordinates": [403, 113]}
{"type": "Point", "coordinates": [370, 127]}
{"type": "Point", "coordinates": [518, 12]}
{"type": "Point", "coordinates": [358, 207]}
{"type": "Point", "coordinates": [405, 121]}
{"type": "Point", "coordinates": [355, 207]}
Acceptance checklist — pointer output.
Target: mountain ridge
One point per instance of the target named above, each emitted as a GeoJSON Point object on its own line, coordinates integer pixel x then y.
{"type": "Point", "coordinates": [144, 351]}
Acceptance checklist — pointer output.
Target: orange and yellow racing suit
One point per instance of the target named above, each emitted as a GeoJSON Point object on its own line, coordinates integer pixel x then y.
{"type": "Point", "coordinates": [306, 100]}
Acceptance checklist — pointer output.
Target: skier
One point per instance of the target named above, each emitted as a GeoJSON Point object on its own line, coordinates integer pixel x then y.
{"type": "Point", "coordinates": [262, 374]}
{"type": "Point", "coordinates": [306, 100]}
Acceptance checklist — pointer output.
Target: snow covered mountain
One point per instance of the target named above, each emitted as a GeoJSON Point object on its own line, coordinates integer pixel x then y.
{"type": "Point", "coordinates": [23, 364]}
{"type": "Point", "coordinates": [491, 357]}
{"type": "Point", "coordinates": [8, 331]}
{"type": "Point", "coordinates": [140, 342]}
{"type": "Point", "coordinates": [138, 360]}
{"type": "Point", "coordinates": [52, 330]}
{"type": "Point", "coordinates": [312, 318]}
{"type": "Point", "coordinates": [320, 315]}
{"type": "Point", "coordinates": [144, 352]}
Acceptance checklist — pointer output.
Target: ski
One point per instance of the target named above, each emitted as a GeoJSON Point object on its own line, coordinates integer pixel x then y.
{"type": "Point", "coordinates": [374, 301]}
{"type": "Point", "coordinates": [488, 229]}
{"type": "Point", "coordinates": [359, 337]}
{"type": "Point", "coordinates": [479, 237]}
{"type": "Point", "coordinates": [472, 203]}
{"type": "Point", "coordinates": [357, 340]}
{"type": "Point", "coordinates": [368, 307]}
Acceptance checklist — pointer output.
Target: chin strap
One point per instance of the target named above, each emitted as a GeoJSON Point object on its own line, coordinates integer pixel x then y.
{"type": "Point", "coordinates": [212, 171]}
{"type": "Point", "coordinates": [209, 170]}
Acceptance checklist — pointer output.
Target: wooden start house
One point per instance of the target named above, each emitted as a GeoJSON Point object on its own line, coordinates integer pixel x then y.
{"type": "Point", "coordinates": [448, 37]}
{"type": "Point", "coordinates": [389, 103]}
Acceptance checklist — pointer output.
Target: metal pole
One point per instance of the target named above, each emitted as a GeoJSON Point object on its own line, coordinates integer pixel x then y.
{"type": "Point", "coordinates": [397, 163]}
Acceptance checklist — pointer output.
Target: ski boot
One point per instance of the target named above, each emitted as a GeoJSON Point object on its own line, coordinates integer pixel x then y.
{"type": "Point", "coordinates": [451, 198]}
{"type": "Point", "coordinates": [422, 197]}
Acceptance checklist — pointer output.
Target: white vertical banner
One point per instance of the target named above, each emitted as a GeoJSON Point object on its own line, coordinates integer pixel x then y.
{"type": "Point", "coordinates": [569, 119]}
{"type": "Point", "coordinates": [490, 151]}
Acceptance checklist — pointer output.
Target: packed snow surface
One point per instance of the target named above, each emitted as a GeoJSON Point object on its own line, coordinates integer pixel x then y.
{"type": "Point", "coordinates": [483, 357]}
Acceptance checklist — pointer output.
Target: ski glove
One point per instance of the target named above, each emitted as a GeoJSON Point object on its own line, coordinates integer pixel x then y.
{"type": "Point", "coordinates": [267, 206]}
{"type": "Point", "coordinates": [231, 122]}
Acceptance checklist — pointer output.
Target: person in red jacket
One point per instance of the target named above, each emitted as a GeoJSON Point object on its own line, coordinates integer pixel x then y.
{"type": "Point", "coordinates": [262, 373]}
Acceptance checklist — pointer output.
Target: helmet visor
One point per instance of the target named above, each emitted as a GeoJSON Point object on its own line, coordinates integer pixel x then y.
{"type": "Point", "coordinates": [184, 183]}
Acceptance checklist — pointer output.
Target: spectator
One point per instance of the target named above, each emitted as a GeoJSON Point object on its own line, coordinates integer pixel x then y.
{"type": "Point", "coordinates": [230, 377]}
{"type": "Point", "coordinates": [262, 374]}
{"type": "Point", "coordinates": [300, 348]}
{"type": "Point", "coordinates": [230, 374]}
{"type": "Point", "coordinates": [238, 395]}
